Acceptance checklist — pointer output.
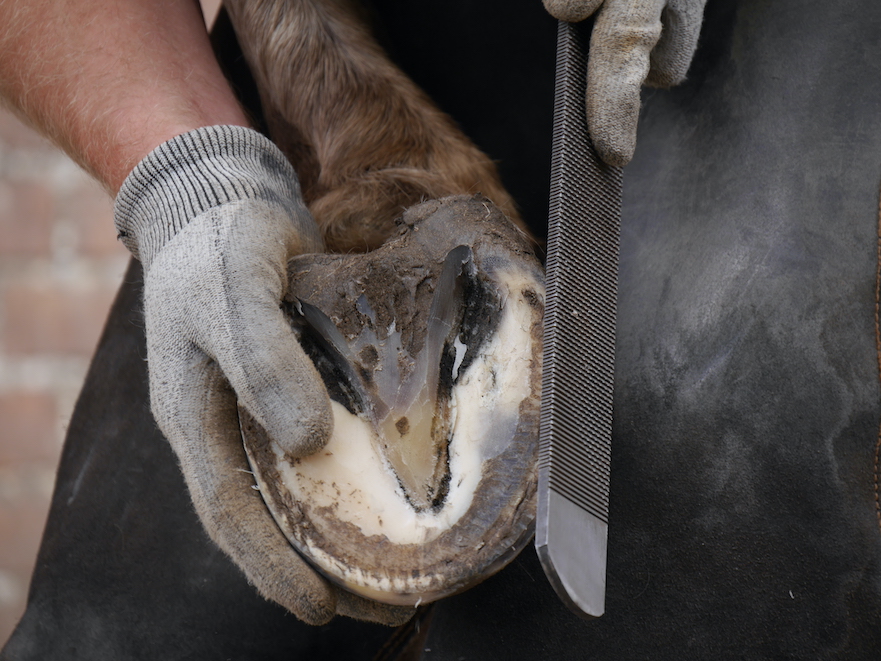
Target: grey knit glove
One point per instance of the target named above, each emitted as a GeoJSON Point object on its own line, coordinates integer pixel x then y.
{"type": "Point", "coordinates": [214, 215]}
{"type": "Point", "coordinates": [633, 42]}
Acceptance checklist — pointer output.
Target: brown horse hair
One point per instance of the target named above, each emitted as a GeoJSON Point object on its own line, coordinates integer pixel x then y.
{"type": "Point", "coordinates": [365, 141]}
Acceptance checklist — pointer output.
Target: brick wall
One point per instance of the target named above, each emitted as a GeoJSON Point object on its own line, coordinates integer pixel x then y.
{"type": "Point", "coordinates": [60, 266]}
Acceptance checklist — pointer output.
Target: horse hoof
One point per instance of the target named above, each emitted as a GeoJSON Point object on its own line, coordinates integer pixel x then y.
{"type": "Point", "coordinates": [430, 348]}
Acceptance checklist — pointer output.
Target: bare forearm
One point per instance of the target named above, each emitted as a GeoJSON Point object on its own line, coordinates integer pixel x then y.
{"type": "Point", "coordinates": [109, 80]}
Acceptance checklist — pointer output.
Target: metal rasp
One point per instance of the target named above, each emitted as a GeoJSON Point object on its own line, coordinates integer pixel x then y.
{"type": "Point", "coordinates": [579, 346]}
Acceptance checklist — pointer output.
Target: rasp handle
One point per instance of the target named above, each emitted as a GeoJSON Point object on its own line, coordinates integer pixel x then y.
{"type": "Point", "coordinates": [579, 346]}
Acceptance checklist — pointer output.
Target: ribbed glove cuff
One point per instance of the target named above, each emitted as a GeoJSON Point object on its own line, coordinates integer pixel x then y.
{"type": "Point", "coordinates": [195, 172]}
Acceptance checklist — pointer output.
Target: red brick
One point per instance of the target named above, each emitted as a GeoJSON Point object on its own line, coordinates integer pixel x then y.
{"type": "Point", "coordinates": [21, 528]}
{"type": "Point", "coordinates": [91, 210]}
{"type": "Point", "coordinates": [12, 610]}
{"type": "Point", "coordinates": [26, 211]}
{"type": "Point", "coordinates": [17, 135]}
{"type": "Point", "coordinates": [29, 424]}
{"type": "Point", "coordinates": [53, 320]}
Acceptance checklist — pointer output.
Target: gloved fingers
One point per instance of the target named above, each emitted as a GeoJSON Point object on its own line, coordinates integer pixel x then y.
{"type": "Point", "coordinates": [257, 350]}
{"type": "Point", "coordinates": [218, 284]}
{"type": "Point", "coordinates": [624, 34]}
{"type": "Point", "coordinates": [674, 51]}
{"type": "Point", "coordinates": [202, 426]}
{"type": "Point", "coordinates": [275, 380]}
{"type": "Point", "coordinates": [572, 11]}
{"type": "Point", "coordinates": [368, 610]}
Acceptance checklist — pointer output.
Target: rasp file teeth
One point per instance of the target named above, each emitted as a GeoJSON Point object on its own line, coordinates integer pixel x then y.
{"type": "Point", "coordinates": [582, 287]}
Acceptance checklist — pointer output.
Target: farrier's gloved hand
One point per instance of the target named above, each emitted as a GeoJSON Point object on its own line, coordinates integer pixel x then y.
{"type": "Point", "coordinates": [214, 215]}
{"type": "Point", "coordinates": [633, 42]}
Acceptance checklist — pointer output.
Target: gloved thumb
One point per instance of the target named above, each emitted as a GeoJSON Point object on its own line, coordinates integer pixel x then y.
{"type": "Point", "coordinates": [623, 36]}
